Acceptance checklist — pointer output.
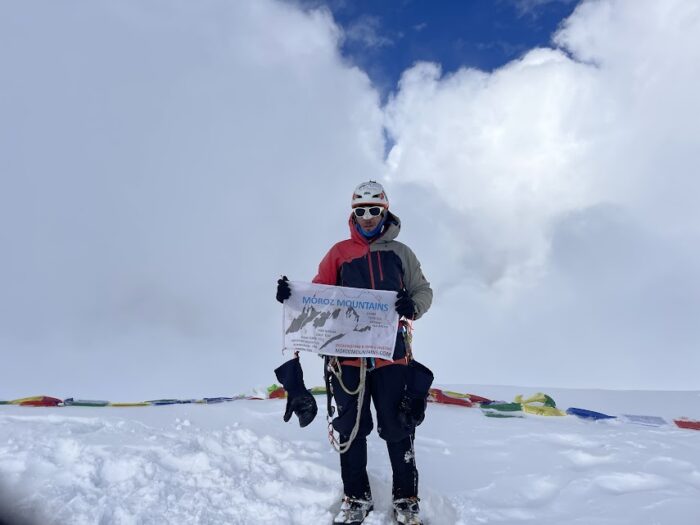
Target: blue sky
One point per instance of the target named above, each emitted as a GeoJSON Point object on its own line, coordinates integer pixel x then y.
{"type": "Point", "coordinates": [387, 37]}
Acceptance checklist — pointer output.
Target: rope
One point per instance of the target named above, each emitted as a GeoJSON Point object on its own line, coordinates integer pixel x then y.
{"type": "Point", "coordinates": [335, 369]}
{"type": "Point", "coordinates": [407, 329]}
{"type": "Point", "coordinates": [338, 373]}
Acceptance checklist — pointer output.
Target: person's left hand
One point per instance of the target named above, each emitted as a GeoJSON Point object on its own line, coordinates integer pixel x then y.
{"type": "Point", "coordinates": [405, 305]}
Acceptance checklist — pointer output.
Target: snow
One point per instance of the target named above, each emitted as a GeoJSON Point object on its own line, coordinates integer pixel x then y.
{"type": "Point", "coordinates": [238, 463]}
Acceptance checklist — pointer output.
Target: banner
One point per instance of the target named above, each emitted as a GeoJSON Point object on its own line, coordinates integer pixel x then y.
{"type": "Point", "coordinates": [334, 320]}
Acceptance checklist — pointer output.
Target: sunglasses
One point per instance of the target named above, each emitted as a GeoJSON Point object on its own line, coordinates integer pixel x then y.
{"type": "Point", "coordinates": [368, 212]}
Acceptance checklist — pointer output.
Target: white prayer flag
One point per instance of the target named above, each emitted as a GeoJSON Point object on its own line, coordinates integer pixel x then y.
{"type": "Point", "coordinates": [334, 320]}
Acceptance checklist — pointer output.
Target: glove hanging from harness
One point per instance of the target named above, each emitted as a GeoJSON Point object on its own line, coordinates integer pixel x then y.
{"type": "Point", "coordinates": [412, 407]}
{"type": "Point", "coordinates": [299, 400]}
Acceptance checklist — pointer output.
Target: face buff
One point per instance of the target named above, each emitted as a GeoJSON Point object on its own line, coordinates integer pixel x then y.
{"type": "Point", "coordinates": [372, 233]}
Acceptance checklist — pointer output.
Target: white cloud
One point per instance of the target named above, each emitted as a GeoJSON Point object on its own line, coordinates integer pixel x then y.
{"type": "Point", "coordinates": [531, 7]}
{"type": "Point", "coordinates": [560, 200]}
{"type": "Point", "coordinates": [366, 30]}
{"type": "Point", "coordinates": [502, 149]}
{"type": "Point", "coordinates": [161, 163]}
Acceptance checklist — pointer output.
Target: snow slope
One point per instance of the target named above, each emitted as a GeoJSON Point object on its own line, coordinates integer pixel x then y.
{"type": "Point", "coordinates": [238, 463]}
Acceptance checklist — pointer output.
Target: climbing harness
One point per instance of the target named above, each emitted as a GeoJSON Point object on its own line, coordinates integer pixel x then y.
{"type": "Point", "coordinates": [333, 367]}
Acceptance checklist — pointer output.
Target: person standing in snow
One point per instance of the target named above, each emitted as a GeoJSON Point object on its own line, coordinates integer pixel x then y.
{"type": "Point", "coordinates": [371, 259]}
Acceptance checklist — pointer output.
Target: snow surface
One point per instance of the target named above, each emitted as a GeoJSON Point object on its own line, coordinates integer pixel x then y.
{"type": "Point", "coordinates": [238, 463]}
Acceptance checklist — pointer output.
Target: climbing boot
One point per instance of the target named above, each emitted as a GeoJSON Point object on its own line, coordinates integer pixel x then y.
{"type": "Point", "coordinates": [353, 511]}
{"type": "Point", "coordinates": [406, 511]}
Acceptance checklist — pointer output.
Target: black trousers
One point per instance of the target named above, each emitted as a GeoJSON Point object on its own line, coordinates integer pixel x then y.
{"type": "Point", "coordinates": [385, 386]}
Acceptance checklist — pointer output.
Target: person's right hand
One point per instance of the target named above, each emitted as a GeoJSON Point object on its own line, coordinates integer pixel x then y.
{"type": "Point", "coordinates": [405, 305]}
{"type": "Point", "coordinates": [284, 292]}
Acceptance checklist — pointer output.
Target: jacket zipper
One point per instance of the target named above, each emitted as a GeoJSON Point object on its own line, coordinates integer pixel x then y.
{"type": "Point", "coordinates": [379, 263]}
{"type": "Point", "coordinates": [371, 272]}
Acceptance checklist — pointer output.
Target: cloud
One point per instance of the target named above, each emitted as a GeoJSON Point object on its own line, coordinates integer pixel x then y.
{"type": "Point", "coordinates": [366, 31]}
{"type": "Point", "coordinates": [495, 149]}
{"type": "Point", "coordinates": [531, 7]}
{"type": "Point", "coordinates": [559, 197]}
{"type": "Point", "coordinates": [161, 162]}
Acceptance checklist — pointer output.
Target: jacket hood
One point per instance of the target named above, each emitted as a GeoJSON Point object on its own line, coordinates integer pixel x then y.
{"type": "Point", "coordinates": [392, 227]}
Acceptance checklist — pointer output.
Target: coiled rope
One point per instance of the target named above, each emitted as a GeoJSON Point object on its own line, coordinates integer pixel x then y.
{"type": "Point", "coordinates": [334, 367]}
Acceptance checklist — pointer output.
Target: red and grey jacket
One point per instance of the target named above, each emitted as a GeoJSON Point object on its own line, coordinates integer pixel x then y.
{"type": "Point", "coordinates": [382, 263]}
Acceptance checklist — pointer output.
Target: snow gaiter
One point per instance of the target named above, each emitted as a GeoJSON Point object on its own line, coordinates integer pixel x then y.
{"type": "Point", "coordinates": [353, 469]}
{"type": "Point", "coordinates": [403, 466]}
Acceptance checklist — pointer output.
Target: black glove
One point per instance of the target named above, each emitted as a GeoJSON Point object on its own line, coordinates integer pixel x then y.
{"type": "Point", "coordinates": [303, 405]}
{"type": "Point", "coordinates": [284, 292]}
{"type": "Point", "coordinates": [405, 305]}
{"type": "Point", "coordinates": [299, 400]}
{"type": "Point", "coordinates": [411, 412]}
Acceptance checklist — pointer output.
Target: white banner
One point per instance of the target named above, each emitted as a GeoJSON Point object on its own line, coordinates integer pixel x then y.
{"type": "Point", "coordinates": [334, 320]}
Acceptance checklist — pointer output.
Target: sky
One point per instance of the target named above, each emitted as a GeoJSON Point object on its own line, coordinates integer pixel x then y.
{"type": "Point", "coordinates": [163, 163]}
{"type": "Point", "coordinates": [385, 38]}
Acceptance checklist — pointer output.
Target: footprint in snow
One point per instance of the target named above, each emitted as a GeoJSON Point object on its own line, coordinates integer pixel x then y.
{"type": "Point", "coordinates": [582, 460]}
{"type": "Point", "coordinates": [625, 482]}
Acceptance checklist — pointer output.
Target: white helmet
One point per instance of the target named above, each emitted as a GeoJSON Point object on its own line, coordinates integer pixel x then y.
{"type": "Point", "coordinates": [368, 194]}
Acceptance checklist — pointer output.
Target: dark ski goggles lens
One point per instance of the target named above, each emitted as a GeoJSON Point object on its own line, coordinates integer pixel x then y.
{"type": "Point", "coordinates": [368, 212]}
